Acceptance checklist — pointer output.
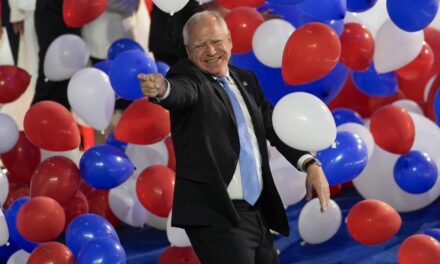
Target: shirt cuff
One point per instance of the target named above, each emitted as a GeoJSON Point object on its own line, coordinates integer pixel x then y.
{"type": "Point", "coordinates": [167, 92]}
{"type": "Point", "coordinates": [302, 159]}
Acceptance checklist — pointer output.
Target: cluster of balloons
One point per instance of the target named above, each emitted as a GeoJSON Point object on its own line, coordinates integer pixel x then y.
{"type": "Point", "coordinates": [322, 54]}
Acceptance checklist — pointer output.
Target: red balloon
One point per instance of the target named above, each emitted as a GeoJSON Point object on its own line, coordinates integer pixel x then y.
{"type": "Point", "coordinates": [414, 89]}
{"type": "Point", "coordinates": [371, 222]}
{"type": "Point", "coordinates": [178, 255]}
{"type": "Point", "coordinates": [143, 123]}
{"type": "Point", "coordinates": [41, 219]}
{"type": "Point", "coordinates": [16, 191]}
{"type": "Point", "coordinates": [351, 97]}
{"type": "Point", "coordinates": [357, 47]}
{"type": "Point", "coordinates": [149, 4]}
{"type": "Point", "coordinates": [171, 154]}
{"type": "Point", "coordinates": [52, 252]}
{"type": "Point", "coordinates": [419, 249]}
{"type": "Point", "coordinates": [98, 204]}
{"type": "Point", "coordinates": [50, 126]}
{"type": "Point", "coordinates": [22, 159]}
{"type": "Point", "coordinates": [230, 4]}
{"type": "Point", "coordinates": [76, 206]}
{"type": "Point", "coordinates": [393, 129]}
{"type": "Point", "coordinates": [155, 189]}
{"type": "Point", "coordinates": [420, 66]}
{"type": "Point", "coordinates": [86, 189]}
{"type": "Point", "coordinates": [242, 23]}
{"type": "Point", "coordinates": [311, 52]}
{"type": "Point", "coordinates": [432, 37]}
{"type": "Point", "coordinates": [79, 12]}
{"type": "Point", "coordinates": [56, 177]}
{"type": "Point", "coordinates": [13, 83]}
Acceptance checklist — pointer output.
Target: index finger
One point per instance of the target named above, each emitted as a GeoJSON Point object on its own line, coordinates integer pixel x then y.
{"type": "Point", "coordinates": [323, 199]}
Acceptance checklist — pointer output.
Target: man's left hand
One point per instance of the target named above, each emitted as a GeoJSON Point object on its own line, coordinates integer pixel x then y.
{"type": "Point", "coordinates": [316, 180]}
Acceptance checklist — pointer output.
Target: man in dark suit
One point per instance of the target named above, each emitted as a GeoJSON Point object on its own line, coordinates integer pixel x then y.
{"type": "Point", "coordinates": [224, 197]}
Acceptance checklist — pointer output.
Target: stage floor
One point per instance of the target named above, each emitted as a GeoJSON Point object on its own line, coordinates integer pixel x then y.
{"type": "Point", "coordinates": [144, 246]}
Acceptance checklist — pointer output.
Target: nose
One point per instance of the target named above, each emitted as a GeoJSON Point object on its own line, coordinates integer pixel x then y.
{"type": "Point", "coordinates": [210, 49]}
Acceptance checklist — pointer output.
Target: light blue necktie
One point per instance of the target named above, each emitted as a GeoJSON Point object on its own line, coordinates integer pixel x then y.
{"type": "Point", "coordinates": [248, 166]}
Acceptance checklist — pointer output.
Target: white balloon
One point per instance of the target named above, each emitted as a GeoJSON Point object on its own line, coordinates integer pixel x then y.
{"type": "Point", "coordinates": [4, 188]}
{"type": "Point", "coordinates": [363, 132]}
{"type": "Point", "coordinates": [315, 227]}
{"type": "Point", "coordinates": [125, 205]}
{"type": "Point", "coordinates": [409, 105]}
{"type": "Point", "coordinates": [170, 6]}
{"type": "Point", "coordinates": [4, 231]}
{"type": "Point", "coordinates": [290, 183]}
{"type": "Point", "coordinates": [394, 47]}
{"type": "Point", "coordinates": [103, 31]}
{"type": "Point", "coordinates": [19, 257]}
{"type": "Point", "coordinates": [177, 236]}
{"type": "Point", "coordinates": [74, 154]}
{"type": "Point", "coordinates": [269, 41]}
{"type": "Point", "coordinates": [66, 55]}
{"type": "Point", "coordinates": [302, 121]}
{"type": "Point", "coordinates": [377, 182]}
{"type": "Point", "coordinates": [8, 133]}
{"type": "Point", "coordinates": [92, 97]}
{"type": "Point", "coordinates": [372, 18]}
{"type": "Point", "coordinates": [156, 221]}
{"type": "Point", "coordinates": [143, 156]}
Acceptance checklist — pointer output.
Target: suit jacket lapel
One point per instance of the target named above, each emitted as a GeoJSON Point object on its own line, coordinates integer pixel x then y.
{"type": "Point", "coordinates": [244, 93]}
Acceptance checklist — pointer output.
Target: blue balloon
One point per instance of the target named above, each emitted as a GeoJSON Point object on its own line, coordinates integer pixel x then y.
{"type": "Point", "coordinates": [293, 15]}
{"type": "Point", "coordinates": [346, 115]}
{"type": "Point", "coordinates": [273, 85]}
{"type": "Point", "coordinates": [103, 66]}
{"type": "Point", "coordinates": [124, 72]}
{"type": "Point", "coordinates": [329, 86]}
{"type": "Point", "coordinates": [437, 107]}
{"type": "Point", "coordinates": [375, 84]}
{"type": "Point", "coordinates": [105, 167]}
{"type": "Point", "coordinates": [88, 227]}
{"type": "Point", "coordinates": [162, 67]}
{"type": "Point", "coordinates": [285, 2]}
{"type": "Point", "coordinates": [102, 250]}
{"type": "Point", "coordinates": [112, 141]}
{"type": "Point", "coordinates": [412, 15]}
{"type": "Point", "coordinates": [433, 232]}
{"type": "Point", "coordinates": [7, 250]}
{"type": "Point", "coordinates": [360, 5]}
{"type": "Point", "coordinates": [345, 161]}
{"type": "Point", "coordinates": [324, 9]}
{"type": "Point", "coordinates": [415, 172]}
{"type": "Point", "coordinates": [11, 219]}
{"type": "Point", "coordinates": [121, 45]}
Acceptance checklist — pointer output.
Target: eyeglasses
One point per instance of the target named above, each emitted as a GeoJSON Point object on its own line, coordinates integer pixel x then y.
{"type": "Point", "coordinates": [215, 43]}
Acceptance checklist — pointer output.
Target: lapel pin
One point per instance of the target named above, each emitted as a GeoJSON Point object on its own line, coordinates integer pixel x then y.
{"type": "Point", "coordinates": [244, 83]}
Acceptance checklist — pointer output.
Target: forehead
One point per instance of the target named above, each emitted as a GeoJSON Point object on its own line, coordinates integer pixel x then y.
{"type": "Point", "coordinates": [204, 29]}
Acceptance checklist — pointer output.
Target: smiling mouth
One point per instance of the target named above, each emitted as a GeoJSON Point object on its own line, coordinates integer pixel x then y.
{"type": "Point", "coordinates": [213, 60]}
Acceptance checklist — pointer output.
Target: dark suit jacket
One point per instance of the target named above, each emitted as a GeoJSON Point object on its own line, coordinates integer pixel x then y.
{"type": "Point", "coordinates": [207, 147]}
